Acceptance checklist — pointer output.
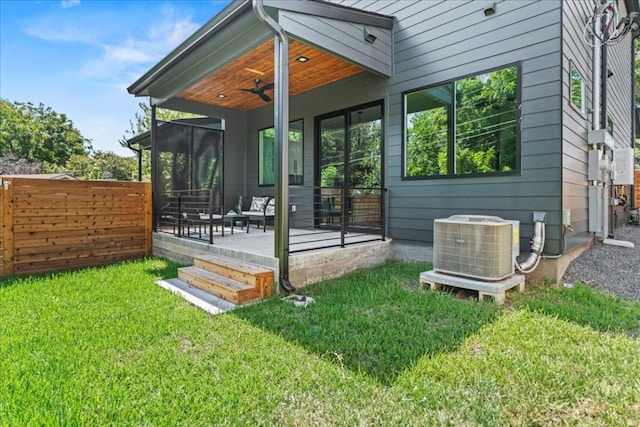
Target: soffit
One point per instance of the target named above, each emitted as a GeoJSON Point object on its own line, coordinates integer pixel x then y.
{"type": "Point", "coordinates": [320, 69]}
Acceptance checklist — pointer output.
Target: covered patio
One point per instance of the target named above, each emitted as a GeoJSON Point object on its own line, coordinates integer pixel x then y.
{"type": "Point", "coordinates": [279, 79]}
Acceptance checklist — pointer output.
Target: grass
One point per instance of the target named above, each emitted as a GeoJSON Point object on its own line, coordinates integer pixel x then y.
{"type": "Point", "coordinates": [107, 346]}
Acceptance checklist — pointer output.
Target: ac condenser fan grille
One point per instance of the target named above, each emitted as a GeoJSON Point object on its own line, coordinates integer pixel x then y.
{"type": "Point", "coordinates": [478, 249]}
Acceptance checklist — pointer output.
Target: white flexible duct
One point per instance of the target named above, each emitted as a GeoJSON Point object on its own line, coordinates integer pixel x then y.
{"type": "Point", "coordinates": [532, 261]}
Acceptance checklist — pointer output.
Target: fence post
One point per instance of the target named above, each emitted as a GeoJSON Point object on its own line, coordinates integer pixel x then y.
{"type": "Point", "coordinates": [7, 227]}
{"type": "Point", "coordinates": [148, 217]}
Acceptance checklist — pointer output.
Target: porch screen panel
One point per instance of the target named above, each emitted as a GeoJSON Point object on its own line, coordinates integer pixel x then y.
{"type": "Point", "coordinates": [174, 158]}
{"type": "Point", "coordinates": [208, 162]}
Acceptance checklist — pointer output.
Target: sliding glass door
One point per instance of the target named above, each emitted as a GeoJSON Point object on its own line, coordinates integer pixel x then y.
{"type": "Point", "coordinates": [349, 168]}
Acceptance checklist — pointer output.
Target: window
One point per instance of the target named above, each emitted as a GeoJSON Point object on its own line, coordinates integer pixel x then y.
{"type": "Point", "coordinates": [577, 94]}
{"type": "Point", "coordinates": [266, 166]}
{"type": "Point", "coordinates": [468, 126]}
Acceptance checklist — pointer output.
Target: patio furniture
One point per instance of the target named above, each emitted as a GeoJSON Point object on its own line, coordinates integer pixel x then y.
{"type": "Point", "coordinates": [329, 210]}
{"type": "Point", "coordinates": [261, 209]}
{"type": "Point", "coordinates": [216, 219]}
{"type": "Point", "coordinates": [233, 218]}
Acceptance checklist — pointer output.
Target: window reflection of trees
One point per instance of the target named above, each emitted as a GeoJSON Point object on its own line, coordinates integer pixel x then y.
{"type": "Point", "coordinates": [463, 127]}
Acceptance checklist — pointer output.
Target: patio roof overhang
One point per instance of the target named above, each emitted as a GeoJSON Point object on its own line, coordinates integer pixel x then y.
{"type": "Point", "coordinates": [235, 47]}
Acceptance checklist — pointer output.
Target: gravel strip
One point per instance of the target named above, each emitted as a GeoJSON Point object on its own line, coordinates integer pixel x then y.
{"type": "Point", "coordinates": [610, 268]}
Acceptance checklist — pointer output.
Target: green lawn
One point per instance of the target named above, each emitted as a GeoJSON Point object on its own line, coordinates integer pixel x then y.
{"type": "Point", "coordinates": [107, 346]}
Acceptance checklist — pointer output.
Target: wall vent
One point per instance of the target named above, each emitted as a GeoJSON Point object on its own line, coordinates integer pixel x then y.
{"type": "Point", "coordinates": [481, 247]}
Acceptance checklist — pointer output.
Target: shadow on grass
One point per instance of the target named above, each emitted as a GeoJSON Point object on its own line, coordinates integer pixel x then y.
{"type": "Point", "coordinates": [377, 320]}
{"type": "Point", "coordinates": [164, 269]}
{"type": "Point", "coordinates": [156, 267]}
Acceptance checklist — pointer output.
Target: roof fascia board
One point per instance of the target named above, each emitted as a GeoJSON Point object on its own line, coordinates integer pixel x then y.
{"type": "Point", "coordinates": [333, 11]}
{"type": "Point", "coordinates": [216, 53]}
{"type": "Point", "coordinates": [201, 36]}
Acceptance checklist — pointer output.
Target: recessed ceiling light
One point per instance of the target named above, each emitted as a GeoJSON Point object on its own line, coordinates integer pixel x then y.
{"type": "Point", "coordinates": [302, 59]}
{"type": "Point", "coordinates": [222, 95]}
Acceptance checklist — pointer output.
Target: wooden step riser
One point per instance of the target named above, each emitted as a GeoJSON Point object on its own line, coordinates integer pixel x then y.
{"type": "Point", "coordinates": [262, 281]}
{"type": "Point", "coordinates": [236, 297]}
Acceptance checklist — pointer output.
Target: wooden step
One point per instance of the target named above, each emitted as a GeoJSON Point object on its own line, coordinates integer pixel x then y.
{"type": "Point", "coordinates": [251, 274]}
{"type": "Point", "coordinates": [218, 285]}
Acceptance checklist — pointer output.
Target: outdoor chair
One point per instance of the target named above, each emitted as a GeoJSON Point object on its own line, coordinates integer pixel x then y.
{"type": "Point", "coordinates": [329, 210]}
{"type": "Point", "coordinates": [195, 221]}
{"type": "Point", "coordinates": [260, 210]}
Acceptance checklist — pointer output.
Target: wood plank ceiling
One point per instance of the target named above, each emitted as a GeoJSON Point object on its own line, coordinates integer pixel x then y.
{"type": "Point", "coordinates": [222, 88]}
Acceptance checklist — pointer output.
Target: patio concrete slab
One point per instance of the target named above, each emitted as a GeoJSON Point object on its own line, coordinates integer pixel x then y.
{"type": "Point", "coordinates": [207, 302]}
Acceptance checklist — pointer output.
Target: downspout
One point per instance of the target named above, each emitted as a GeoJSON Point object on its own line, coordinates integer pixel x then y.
{"type": "Point", "coordinates": [633, 114]}
{"type": "Point", "coordinates": [154, 164]}
{"type": "Point", "coordinates": [139, 154]}
{"type": "Point", "coordinates": [598, 189]}
{"type": "Point", "coordinates": [281, 148]}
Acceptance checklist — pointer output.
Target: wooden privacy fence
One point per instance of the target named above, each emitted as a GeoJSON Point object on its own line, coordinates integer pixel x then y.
{"type": "Point", "coordinates": [50, 225]}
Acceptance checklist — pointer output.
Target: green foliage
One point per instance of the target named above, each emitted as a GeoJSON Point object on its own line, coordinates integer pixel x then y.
{"type": "Point", "coordinates": [377, 320]}
{"type": "Point", "coordinates": [38, 133]}
{"type": "Point", "coordinates": [106, 346]}
{"type": "Point", "coordinates": [484, 130]}
{"type": "Point", "coordinates": [141, 123]}
{"type": "Point", "coordinates": [328, 176]}
{"type": "Point", "coordinates": [586, 306]}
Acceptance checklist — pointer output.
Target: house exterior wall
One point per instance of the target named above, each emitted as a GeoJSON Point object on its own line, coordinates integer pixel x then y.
{"type": "Point", "coordinates": [618, 90]}
{"type": "Point", "coordinates": [343, 38]}
{"type": "Point", "coordinates": [437, 42]}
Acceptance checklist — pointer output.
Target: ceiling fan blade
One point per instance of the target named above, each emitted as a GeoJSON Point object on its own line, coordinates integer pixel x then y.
{"type": "Point", "coordinates": [265, 97]}
{"type": "Point", "coordinates": [267, 86]}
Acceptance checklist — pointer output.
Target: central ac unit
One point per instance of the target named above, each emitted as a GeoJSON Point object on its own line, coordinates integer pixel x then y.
{"type": "Point", "coordinates": [481, 247]}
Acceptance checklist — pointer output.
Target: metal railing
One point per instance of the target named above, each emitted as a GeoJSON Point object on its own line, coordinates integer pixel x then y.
{"type": "Point", "coordinates": [186, 213]}
{"type": "Point", "coordinates": [319, 217]}
{"type": "Point", "coordinates": [337, 217]}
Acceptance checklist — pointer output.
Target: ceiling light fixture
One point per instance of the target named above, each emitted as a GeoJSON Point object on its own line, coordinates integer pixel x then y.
{"type": "Point", "coordinates": [222, 95]}
{"type": "Point", "coordinates": [302, 59]}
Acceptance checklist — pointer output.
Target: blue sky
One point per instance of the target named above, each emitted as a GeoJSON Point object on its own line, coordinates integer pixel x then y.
{"type": "Point", "coordinates": [79, 56]}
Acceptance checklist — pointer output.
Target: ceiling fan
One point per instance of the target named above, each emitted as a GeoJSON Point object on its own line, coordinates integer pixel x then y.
{"type": "Point", "coordinates": [259, 90]}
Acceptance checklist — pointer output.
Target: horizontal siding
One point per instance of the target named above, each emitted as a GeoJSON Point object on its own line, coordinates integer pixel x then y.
{"type": "Point", "coordinates": [344, 39]}
{"type": "Point", "coordinates": [577, 124]}
{"type": "Point", "coordinates": [521, 32]}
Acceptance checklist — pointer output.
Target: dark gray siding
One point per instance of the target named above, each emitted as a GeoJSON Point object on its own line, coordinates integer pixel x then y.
{"type": "Point", "coordinates": [344, 39]}
{"type": "Point", "coordinates": [576, 124]}
{"type": "Point", "coordinates": [439, 41]}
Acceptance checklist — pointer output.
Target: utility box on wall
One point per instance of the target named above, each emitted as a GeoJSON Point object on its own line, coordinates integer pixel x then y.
{"type": "Point", "coordinates": [624, 165]}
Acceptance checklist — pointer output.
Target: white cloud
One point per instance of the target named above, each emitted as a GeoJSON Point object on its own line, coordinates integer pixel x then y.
{"type": "Point", "coordinates": [121, 56]}
{"type": "Point", "coordinates": [66, 4]}
{"type": "Point", "coordinates": [121, 45]}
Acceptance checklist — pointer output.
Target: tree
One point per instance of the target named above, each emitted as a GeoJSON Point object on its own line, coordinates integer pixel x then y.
{"type": "Point", "coordinates": [107, 165]}
{"type": "Point", "coordinates": [38, 133]}
{"type": "Point", "coordinates": [141, 123]}
{"type": "Point", "coordinates": [473, 120]}
{"type": "Point", "coordinates": [12, 165]}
